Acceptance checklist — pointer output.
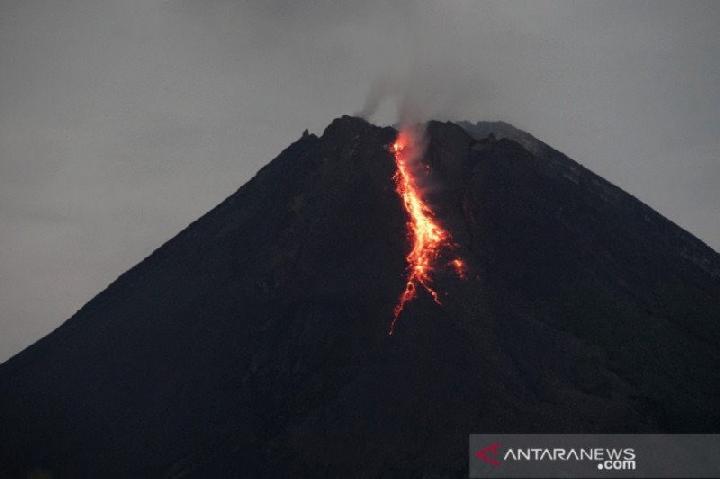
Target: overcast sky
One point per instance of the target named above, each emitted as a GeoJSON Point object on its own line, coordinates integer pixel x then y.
{"type": "Point", "coordinates": [122, 121]}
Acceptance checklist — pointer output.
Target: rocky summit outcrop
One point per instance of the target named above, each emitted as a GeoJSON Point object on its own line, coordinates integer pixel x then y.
{"type": "Point", "coordinates": [254, 343]}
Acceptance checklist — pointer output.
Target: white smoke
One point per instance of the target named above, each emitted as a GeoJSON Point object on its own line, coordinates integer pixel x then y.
{"type": "Point", "coordinates": [421, 92]}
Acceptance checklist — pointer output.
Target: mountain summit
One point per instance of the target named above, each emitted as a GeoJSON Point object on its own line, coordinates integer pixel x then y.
{"type": "Point", "coordinates": [255, 343]}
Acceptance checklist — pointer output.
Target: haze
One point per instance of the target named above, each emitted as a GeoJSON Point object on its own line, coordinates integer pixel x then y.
{"type": "Point", "coordinates": [122, 121]}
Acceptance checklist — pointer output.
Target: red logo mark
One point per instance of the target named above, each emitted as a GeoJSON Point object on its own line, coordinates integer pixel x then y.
{"type": "Point", "coordinates": [488, 454]}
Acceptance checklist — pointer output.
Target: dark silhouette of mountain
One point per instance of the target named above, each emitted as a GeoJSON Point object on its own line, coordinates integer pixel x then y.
{"type": "Point", "coordinates": [254, 343]}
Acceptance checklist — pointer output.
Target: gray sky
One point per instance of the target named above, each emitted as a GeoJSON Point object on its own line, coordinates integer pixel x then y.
{"type": "Point", "coordinates": [122, 121]}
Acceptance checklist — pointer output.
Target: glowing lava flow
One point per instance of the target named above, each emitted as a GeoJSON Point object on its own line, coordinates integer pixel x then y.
{"type": "Point", "coordinates": [428, 237]}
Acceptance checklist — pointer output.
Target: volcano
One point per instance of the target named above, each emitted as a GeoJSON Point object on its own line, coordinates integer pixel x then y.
{"type": "Point", "coordinates": [255, 342]}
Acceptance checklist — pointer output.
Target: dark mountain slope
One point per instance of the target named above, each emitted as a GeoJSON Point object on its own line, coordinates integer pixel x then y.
{"type": "Point", "coordinates": [254, 343]}
{"type": "Point", "coordinates": [556, 163]}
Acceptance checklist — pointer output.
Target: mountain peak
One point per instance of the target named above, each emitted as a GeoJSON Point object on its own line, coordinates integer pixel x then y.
{"type": "Point", "coordinates": [255, 342]}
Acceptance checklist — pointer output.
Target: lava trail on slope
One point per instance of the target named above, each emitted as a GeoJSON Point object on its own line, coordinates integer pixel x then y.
{"type": "Point", "coordinates": [428, 237]}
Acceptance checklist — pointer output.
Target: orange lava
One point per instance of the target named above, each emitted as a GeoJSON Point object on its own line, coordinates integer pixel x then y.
{"type": "Point", "coordinates": [459, 267]}
{"type": "Point", "coordinates": [427, 235]}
